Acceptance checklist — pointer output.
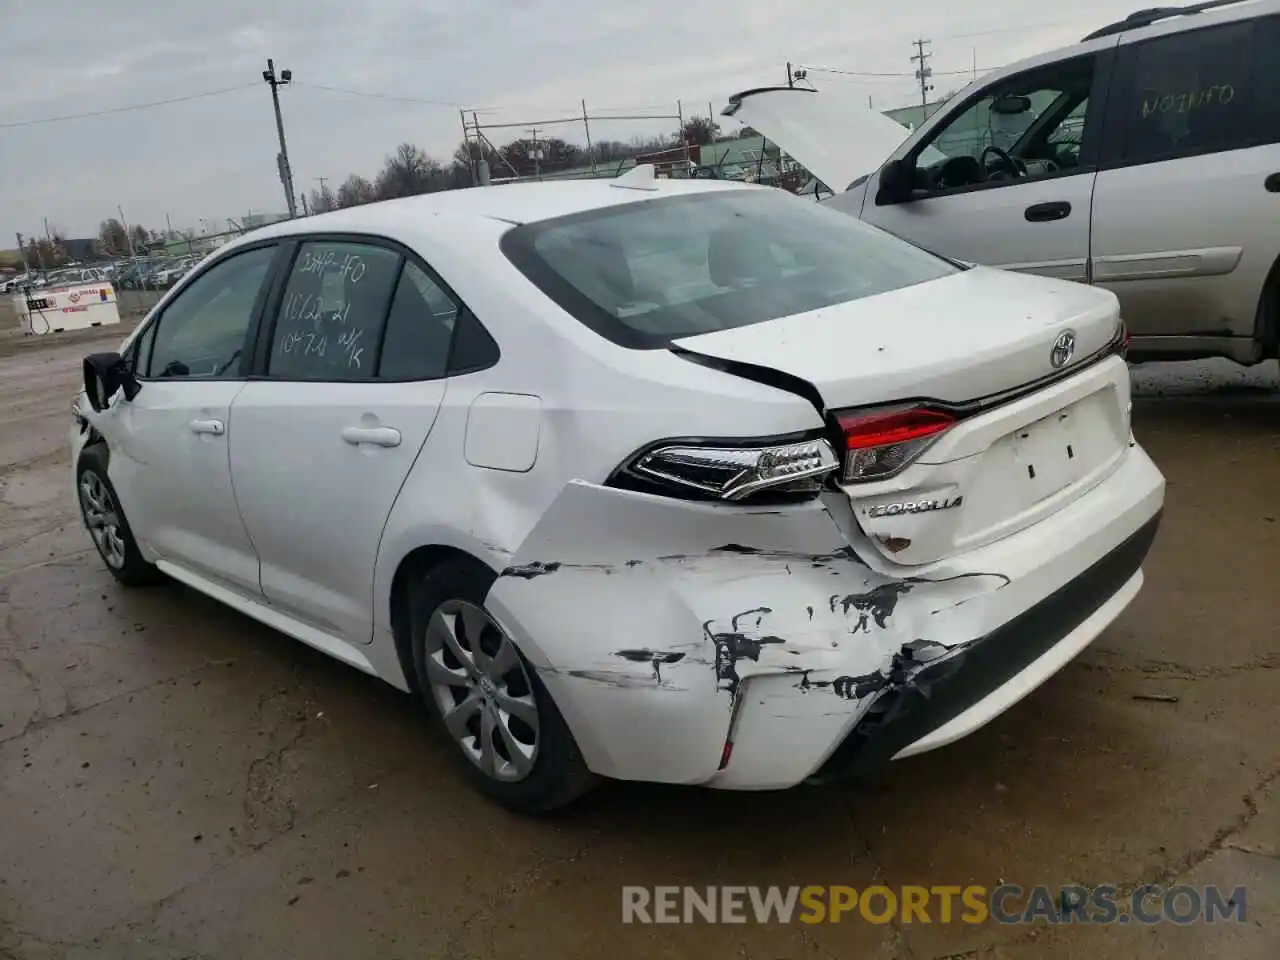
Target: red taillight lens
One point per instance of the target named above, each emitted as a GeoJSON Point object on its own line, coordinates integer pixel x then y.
{"type": "Point", "coordinates": [879, 443]}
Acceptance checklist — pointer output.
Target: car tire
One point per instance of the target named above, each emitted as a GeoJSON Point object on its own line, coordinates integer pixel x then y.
{"type": "Point", "coordinates": [107, 525]}
{"type": "Point", "coordinates": [530, 769]}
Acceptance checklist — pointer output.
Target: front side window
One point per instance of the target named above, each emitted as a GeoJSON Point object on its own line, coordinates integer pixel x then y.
{"type": "Point", "coordinates": [331, 318]}
{"type": "Point", "coordinates": [201, 334]}
{"type": "Point", "coordinates": [645, 273]}
{"type": "Point", "coordinates": [1189, 94]}
{"type": "Point", "coordinates": [1024, 128]}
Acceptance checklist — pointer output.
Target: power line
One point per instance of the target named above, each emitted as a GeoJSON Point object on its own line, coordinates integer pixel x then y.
{"type": "Point", "coordinates": [887, 76]}
{"type": "Point", "coordinates": [378, 96]}
{"type": "Point", "coordinates": [112, 110]}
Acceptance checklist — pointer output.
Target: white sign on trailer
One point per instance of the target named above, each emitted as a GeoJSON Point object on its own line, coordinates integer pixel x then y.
{"type": "Point", "coordinates": [53, 310]}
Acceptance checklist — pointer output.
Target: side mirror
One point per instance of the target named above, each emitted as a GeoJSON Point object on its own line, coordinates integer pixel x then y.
{"type": "Point", "coordinates": [895, 182]}
{"type": "Point", "coordinates": [104, 374]}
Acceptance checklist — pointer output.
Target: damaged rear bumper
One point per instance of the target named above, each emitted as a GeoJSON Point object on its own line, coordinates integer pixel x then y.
{"type": "Point", "coordinates": [950, 699]}
{"type": "Point", "coordinates": [666, 629]}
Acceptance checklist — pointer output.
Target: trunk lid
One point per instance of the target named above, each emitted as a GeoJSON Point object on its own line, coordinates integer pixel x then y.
{"type": "Point", "coordinates": [973, 336]}
{"type": "Point", "coordinates": [976, 333]}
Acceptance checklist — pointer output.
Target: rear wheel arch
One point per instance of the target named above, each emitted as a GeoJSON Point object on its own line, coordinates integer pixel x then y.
{"type": "Point", "coordinates": [419, 562]}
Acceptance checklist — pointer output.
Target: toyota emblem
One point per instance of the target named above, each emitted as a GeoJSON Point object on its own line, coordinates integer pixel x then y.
{"type": "Point", "coordinates": [1064, 348]}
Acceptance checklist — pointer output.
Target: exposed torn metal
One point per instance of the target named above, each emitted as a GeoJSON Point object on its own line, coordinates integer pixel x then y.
{"type": "Point", "coordinates": [732, 646]}
{"type": "Point", "coordinates": [898, 674]}
{"type": "Point", "coordinates": [527, 571]}
{"type": "Point", "coordinates": [654, 657]}
{"type": "Point", "coordinates": [878, 604]}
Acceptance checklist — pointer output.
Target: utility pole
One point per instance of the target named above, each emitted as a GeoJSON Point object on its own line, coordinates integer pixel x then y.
{"type": "Point", "coordinates": [923, 73]}
{"type": "Point", "coordinates": [791, 81]}
{"type": "Point", "coordinates": [26, 267]}
{"type": "Point", "coordinates": [586, 127]}
{"type": "Point", "coordinates": [128, 237]}
{"type": "Point", "coordinates": [282, 159]}
{"type": "Point", "coordinates": [535, 152]}
{"type": "Point", "coordinates": [303, 198]}
{"type": "Point", "coordinates": [466, 145]}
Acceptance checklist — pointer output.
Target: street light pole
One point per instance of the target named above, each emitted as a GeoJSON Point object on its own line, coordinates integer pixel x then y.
{"type": "Point", "coordinates": [282, 159]}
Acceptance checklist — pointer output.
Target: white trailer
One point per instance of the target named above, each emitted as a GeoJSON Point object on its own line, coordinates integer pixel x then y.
{"type": "Point", "coordinates": [55, 309]}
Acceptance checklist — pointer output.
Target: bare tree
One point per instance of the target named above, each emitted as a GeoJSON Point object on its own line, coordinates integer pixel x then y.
{"type": "Point", "coordinates": [113, 238]}
{"type": "Point", "coordinates": [141, 237]}
{"type": "Point", "coordinates": [356, 190]}
{"type": "Point", "coordinates": [699, 131]}
{"type": "Point", "coordinates": [408, 171]}
{"type": "Point", "coordinates": [322, 200]}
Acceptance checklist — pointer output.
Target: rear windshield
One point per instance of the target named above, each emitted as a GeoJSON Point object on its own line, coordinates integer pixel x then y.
{"type": "Point", "coordinates": [644, 274]}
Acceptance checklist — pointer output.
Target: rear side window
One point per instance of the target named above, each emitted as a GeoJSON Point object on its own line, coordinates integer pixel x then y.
{"type": "Point", "coordinates": [647, 272]}
{"type": "Point", "coordinates": [419, 329]}
{"type": "Point", "coordinates": [1190, 93]}
{"type": "Point", "coordinates": [331, 318]}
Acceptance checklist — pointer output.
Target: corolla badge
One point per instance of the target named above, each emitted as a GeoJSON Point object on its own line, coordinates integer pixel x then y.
{"type": "Point", "coordinates": [1064, 348]}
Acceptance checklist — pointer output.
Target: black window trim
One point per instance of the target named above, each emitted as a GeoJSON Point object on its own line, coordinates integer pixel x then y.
{"type": "Point", "coordinates": [259, 367]}
{"type": "Point", "coordinates": [1090, 138]}
{"type": "Point", "coordinates": [240, 370]}
{"type": "Point", "coordinates": [1114, 145]}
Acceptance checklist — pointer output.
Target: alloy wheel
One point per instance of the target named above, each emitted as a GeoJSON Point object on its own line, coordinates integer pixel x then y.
{"type": "Point", "coordinates": [102, 518]}
{"type": "Point", "coordinates": [483, 690]}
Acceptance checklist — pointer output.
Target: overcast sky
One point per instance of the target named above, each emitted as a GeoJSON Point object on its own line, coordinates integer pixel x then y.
{"type": "Point", "coordinates": [517, 60]}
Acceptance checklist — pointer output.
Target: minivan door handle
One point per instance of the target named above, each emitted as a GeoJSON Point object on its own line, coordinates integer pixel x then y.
{"type": "Point", "coordinates": [1048, 212]}
{"type": "Point", "coordinates": [214, 428]}
{"type": "Point", "coordinates": [379, 436]}
{"type": "Point", "coordinates": [1272, 183]}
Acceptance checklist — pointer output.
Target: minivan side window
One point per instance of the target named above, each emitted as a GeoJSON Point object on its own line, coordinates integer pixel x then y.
{"type": "Point", "coordinates": [1024, 127]}
{"type": "Point", "coordinates": [202, 333]}
{"type": "Point", "coordinates": [335, 303]}
{"type": "Point", "coordinates": [1188, 94]}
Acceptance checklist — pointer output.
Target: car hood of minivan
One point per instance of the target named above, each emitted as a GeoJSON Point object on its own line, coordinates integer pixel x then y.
{"type": "Point", "coordinates": [971, 335]}
{"type": "Point", "coordinates": [834, 137]}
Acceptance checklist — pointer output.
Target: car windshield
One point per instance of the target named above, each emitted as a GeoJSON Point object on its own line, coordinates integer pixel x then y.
{"type": "Point", "coordinates": [643, 274]}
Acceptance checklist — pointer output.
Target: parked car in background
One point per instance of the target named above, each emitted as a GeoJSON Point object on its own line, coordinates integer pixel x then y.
{"type": "Point", "coordinates": [1145, 159]}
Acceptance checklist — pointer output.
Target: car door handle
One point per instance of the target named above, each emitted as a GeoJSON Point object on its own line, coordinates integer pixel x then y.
{"type": "Point", "coordinates": [1272, 183]}
{"type": "Point", "coordinates": [1048, 212]}
{"type": "Point", "coordinates": [379, 436]}
{"type": "Point", "coordinates": [214, 427]}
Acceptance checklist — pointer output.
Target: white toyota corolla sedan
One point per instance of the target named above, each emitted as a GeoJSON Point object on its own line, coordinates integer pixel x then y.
{"type": "Point", "coordinates": [655, 480]}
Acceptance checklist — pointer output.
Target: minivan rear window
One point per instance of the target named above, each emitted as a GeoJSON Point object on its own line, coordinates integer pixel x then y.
{"type": "Point", "coordinates": [645, 273]}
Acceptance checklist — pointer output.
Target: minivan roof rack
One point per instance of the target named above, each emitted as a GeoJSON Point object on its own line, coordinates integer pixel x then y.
{"type": "Point", "coordinates": [1144, 18]}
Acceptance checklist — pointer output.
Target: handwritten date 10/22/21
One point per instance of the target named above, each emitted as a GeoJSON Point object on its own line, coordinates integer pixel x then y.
{"type": "Point", "coordinates": [308, 343]}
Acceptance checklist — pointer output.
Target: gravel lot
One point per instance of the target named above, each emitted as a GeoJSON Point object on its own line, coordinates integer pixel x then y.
{"type": "Point", "coordinates": [178, 781]}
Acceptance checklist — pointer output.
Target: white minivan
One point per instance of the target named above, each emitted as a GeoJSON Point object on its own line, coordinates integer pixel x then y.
{"type": "Point", "coordinates": [1145, 159]}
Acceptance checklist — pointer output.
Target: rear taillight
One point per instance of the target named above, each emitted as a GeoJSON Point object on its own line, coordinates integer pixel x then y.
{"type": "Point", "coordinates": [880, 443]}
{"type": "Point", "coordinates": [728, 471]}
